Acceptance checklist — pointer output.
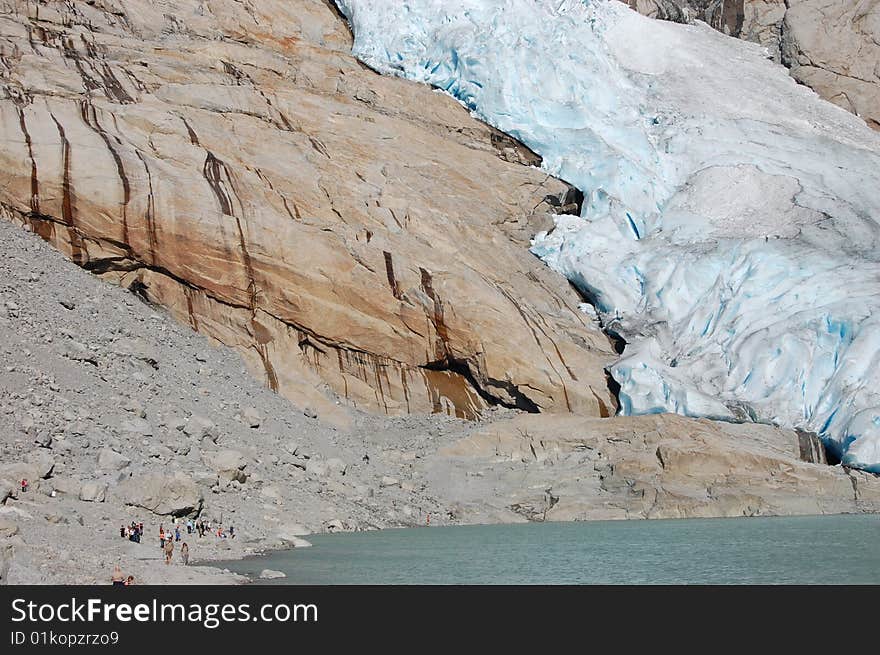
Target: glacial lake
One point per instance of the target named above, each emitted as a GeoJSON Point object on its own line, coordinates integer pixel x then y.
{"type": "Point", "coordinates": [770, 550]}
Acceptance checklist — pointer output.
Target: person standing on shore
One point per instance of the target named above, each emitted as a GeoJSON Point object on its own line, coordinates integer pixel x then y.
{"type": "Point", "coordinates": [118, 577]}
{"type": "Point", "coordinates": [184, 553]}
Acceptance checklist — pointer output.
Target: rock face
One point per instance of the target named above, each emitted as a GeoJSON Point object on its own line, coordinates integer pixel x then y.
{"type": "Point", "coordinates": [658, 466]}
{"type": "Point", "coordinates": [163, 494]}
{"type": "Point", "coordinates": [832, 46]}
{"type": "Point", "coordinates": [351, 235]}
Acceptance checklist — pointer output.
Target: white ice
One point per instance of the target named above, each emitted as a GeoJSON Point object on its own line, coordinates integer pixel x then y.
{"type": "Point", "coordinates": [730, 227]}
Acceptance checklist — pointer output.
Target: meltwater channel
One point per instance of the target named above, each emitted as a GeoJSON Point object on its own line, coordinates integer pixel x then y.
{"type": "Point", "coordinates": [756, 550]}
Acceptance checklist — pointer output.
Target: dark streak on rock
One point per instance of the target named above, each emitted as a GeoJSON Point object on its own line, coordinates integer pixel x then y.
{"type": "Point", "coordinates": [112, 87]}
{"type": "Point", "coordinates": [213, 171]}
{"type": "Point", "coordinates": [90, 118]}
{"type": "Point", "coordinates": [271, 376]}
{"type": "Point", "coordinates": [187, 291]}
{"type": "Point", "coordinates": [35, 185]}
{"type": "Point", "coordinates": [441, 347]}
{"type": "Point", "coordinates": [217, 174]}
{"type": "Point", "coordinates": [68, 206]}
{"type": "Point", "coordinates": [150, 212]}
{"type": "Point", "coordinates": [293, 214]}
{"type": "Point", "coordinates": [320, 147]}
{"type": "Point", "coordinates": [193, 138]}
{"type": "Point", "coordinates": [389, 270]}
{"type": "Point", "coordinates": [810, 447]}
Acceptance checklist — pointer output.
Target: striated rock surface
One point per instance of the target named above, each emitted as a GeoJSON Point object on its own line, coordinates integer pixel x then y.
{"type": "Point", "coordinates": [832, 46]}
{"type": "Point", "coordinates": [565, 468]}
{"type": "Point", "coordinates": [353, 236]}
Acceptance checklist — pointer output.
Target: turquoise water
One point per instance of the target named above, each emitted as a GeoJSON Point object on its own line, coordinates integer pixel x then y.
{"type": "Point", "coordinates": [777, 550]}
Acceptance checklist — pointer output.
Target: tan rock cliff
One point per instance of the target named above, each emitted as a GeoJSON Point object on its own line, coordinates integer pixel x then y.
{"type": "Point", "coordinates": [350, 234]}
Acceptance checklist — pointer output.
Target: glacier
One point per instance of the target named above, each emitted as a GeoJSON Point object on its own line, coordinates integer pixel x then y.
{"type": "Point", "coordinates": [729, 230]}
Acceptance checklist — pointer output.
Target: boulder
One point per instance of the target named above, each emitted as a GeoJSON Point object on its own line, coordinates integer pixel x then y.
{"type": "Point", "coordinates": [205, 478]}
{"type": "Point", "coordinates": [334, 525]}
{"type": "Point", "coordinates": [161, 493]}
{"type": "Point", "coordinates": [110, 460]}
{"type": "Point", "coordinates": [270, 574]}
{"type": "Point", "coordinates": [252, 417]}
{"type": "Point", "coordinates": [93, 492]}
{"type": "Point", "coordinates": [229, 464]}
{"type": "Point", "coordinates": [42, 462]}
{"type": "Point", "coordinates": [66, 486]}
{"type": "Point", "coordinates": [388, 481]}
{"type": "Point", "coordinates": [136, 427]}
{"type": "Point", "coordinates": [180, 448]}
{"type": "Point", "coordinates": [7, 490]}
{"type": "Point", "coordinates": [336, 466]}
{"type": "Point", "coordinates": [199, 427]}
{"type": "Point", "coordinates": [317, 467]}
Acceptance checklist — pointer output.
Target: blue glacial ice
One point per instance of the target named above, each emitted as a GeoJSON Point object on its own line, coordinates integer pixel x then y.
{"type": "Point", "coordinates": [730, 224]}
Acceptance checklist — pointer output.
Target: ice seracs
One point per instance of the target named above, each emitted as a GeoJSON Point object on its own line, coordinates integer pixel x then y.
{"type": "Point", "coordinates": [730, 224]}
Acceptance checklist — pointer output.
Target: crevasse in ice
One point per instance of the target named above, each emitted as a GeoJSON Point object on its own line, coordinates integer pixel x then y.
{"type": "Point", "coordinates": [730, 224]}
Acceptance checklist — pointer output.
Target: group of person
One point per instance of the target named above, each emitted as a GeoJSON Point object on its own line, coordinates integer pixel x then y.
{"type": "Point", "coordinates": [167, 539]}
{"type": "Point", "coordinates": [132, 532]}
{"type": "Point", "coordinates": [166, 543]}
{"type": "Point", "coordinates": [205, 527]}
